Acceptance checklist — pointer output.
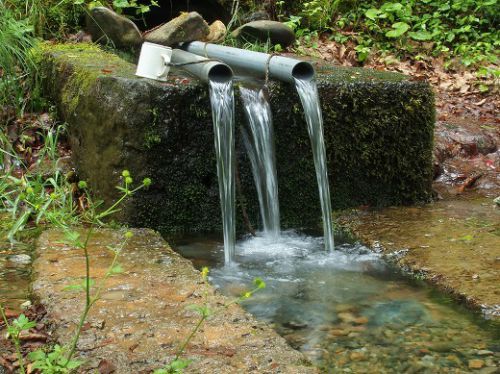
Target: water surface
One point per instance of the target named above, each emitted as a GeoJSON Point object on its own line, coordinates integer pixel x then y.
{"type": "Point", "coordinates": [347, 310]}
{"type": "Point", "coordinates": [15, 271]}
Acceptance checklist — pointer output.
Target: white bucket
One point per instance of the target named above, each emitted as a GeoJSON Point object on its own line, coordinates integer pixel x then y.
{"type": "Point", "coordinates": [153, 61]}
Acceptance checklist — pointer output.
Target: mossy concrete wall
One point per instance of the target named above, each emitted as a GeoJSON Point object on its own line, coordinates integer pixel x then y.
{"type": "Point", "coordinates": [378, 131]}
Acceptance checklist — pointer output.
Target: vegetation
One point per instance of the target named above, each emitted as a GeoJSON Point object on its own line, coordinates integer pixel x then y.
{"type": "Point", "coordinates": [465, 30]}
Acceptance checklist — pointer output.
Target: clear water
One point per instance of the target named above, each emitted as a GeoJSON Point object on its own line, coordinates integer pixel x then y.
{"type": "Point", "coordinates": [308, 93]}
{"type": "Point", "coordinates": [347, 310]}
{"type": "Point", "coordinates": [15, 272]}
{"type": "Point", "coordinates": [259, 142]}
{"type": "Point", "coordinates": [222, 102]}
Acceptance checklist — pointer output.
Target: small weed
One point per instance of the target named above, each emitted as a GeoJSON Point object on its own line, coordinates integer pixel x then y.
{"type": "Point", "coordinates": [177, 365]}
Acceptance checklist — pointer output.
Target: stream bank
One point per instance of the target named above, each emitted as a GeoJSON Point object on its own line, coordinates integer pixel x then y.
{"type": "Point", "coordinates": [145, 313]}
{"type": "Point", "coordinates": [451, 243]}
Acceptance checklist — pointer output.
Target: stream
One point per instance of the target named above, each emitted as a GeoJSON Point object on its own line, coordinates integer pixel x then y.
{"type": "Point", "coordinates": [348, 310]}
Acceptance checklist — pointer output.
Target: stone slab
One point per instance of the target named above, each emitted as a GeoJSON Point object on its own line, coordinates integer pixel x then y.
{"type": "Point", "coordinates": [378, 132]}
{"type": "Point", "coordinates": [143, 314]}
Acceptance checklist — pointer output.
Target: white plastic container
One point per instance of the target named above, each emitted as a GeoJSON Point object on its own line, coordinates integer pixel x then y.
{"type": "Point", "coordinates": [153, 61]}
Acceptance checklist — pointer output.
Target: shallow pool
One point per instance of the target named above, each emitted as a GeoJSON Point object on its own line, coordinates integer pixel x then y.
{"type": "Point", "coordinates": [347, 310]}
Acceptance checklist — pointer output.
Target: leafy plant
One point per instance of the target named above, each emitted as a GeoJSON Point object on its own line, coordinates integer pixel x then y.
{"type": "Point", "coordinates": [14, 330]}
{"type": "Point", "coordinates": [461, 29]}
{"type": "Point", "coordinates": [53, 362]}
{"type": "Point", "coordinates": [60, 359]}
{"type": "Point", "coordinates": [16, 40]}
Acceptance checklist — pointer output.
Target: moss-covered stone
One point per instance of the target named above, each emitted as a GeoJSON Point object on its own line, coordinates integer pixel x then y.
{"type": "Point", "coordinates": [378, 129]}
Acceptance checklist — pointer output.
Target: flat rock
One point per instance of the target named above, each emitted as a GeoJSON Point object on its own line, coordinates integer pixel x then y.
{"type": "Point", "coordinates": [263, 30]}
{"type": "Point", "coordinates": [185, 28]}
{"type": "Point", "coordinates": [108, 27]}
{"type": "Point", "coordinates": [144, 312]}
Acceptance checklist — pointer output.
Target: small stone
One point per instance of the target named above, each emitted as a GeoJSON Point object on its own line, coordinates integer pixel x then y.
{"type": "Point", "coordinates": [295, 325]}
{"type": "Point", "coordinates": [346, 317]}
{"type": "Point", "coordinates": [476, 364]}
{"type": "Point", "coordinates": [185, 28]}
{"type": "Point", "coordinates": [357, 356]}
{"type": "Point", "coordinates": [217, 32]}
{"type": "Point", "coordinates": [276, 32]}
{"type": "Point", "coordinates": [361, 321]}
{"type": "Point", "coordinates": [108, 27]}
{"type": "Point", "coordinates": [484, 352]}
{"type": "Point", "coordinates": [20, 259]}
{"type": "Point", "coordinates": [441, 347]}
{"type": "Point", "coordinates": [339, 332]}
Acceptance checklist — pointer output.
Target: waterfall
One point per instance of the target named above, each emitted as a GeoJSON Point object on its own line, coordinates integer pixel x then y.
{"type": "Point", "coordinates": [259, 142]}
{"type": "Point", "coordinates": [308, 93]}
{"type": "Point", "coordinates": [222, 102]}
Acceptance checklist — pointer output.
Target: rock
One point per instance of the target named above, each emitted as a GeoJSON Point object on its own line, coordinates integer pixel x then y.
{"type": "Point", "coordinates": [347, 317]}
{"type": "Point", "coordinates": [476, 364]}
{"type": "Point", "coordinates": [118, 121]}
{"type": "Point", "coordinates": [357, 356]}
{"type": "Point", "coordinates": [397, 312]}
{"type": "Point", "coordinates": [442, 347]}
{"type": "Point", "coordinates": [295, 325]}
{"type": "Point", "coordinates": [361, 320]}
{"type": "Point", "coordinates": [276, 32]}
{"type": "Point", "coordinates": [185, 28]}
{"type": "Point", "coordinates": [484, 352]}
{"type": "Point", "coordinates": [259, 15]}
{"type": "Point", "coordinates": [20, 259]}
{"type": "Point", "coordinates": [107, 27]}
{"type": "Point", "coordinates": [217, 32]}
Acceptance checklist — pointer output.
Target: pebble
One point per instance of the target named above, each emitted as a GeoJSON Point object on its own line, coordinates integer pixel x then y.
{"type": "Point", "coordinates": [484, 352]}
{"type": "Point", "coordinates": [357, 356]}
{"type": "Point", "coordinates": [20, 259]}
{"type": "Point", "coordinates": [476, 364]}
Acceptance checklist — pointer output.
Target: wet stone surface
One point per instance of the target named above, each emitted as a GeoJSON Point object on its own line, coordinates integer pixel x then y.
{"type": "Point", "coordinates": [466, 156]}
{"type": "Point", "coordinates": [15, 271]}
{"type": "Point", "coordinates": [143, 316]}
{"type": "Point", "coordinates": [452, 243]}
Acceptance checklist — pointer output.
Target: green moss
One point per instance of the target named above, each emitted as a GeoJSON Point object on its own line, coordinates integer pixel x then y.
{"type": "Point", "coordinates": [378, 132]}
{"type": "Point", "coordinates": [348, 75]}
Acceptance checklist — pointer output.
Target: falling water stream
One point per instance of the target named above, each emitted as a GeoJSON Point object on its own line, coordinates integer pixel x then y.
{"type": "Point", "coordinates": [222, 102]}
{"type": "Point", "coordinates": [308, 93]}
{"type": "Point", "coordinates": [259, 142]}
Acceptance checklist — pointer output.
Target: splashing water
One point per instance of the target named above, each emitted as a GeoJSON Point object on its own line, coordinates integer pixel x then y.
{"type": "Point", "coordinates": [259, 142]}
{"type": "Point", "coordinates": [222, 102]}
{"type": "Point", "coordinates": [348, 310]}
{"type": "Point", "coordinates": [308, 93]}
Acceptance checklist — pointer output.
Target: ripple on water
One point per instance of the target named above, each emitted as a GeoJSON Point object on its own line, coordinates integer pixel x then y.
{"type": "Point", "coordinates": [347, 309]}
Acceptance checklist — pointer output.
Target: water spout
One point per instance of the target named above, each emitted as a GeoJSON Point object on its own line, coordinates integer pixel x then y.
{"type": "Point", "coordinates": [222, 101]}
{"type": "Point", "coordinates": [219, 77]}
{"type": "Point", "coordinates": [259, 142]}
{"type": "Point", "coordinates": [308, 93]}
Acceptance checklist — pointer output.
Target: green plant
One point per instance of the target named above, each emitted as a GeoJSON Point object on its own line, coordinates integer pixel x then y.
{"type": "Point", "coordinates": [464, 30]}
{"type": "Point", "coordinates": [42, 193]}
{"type": "Point", "coordinates": [14, 330]}
{"type": "Point", "coordinates": [16, 66]}
{"type": "Point", "coordinates": [52, 362]}
{"type": "Point", "coordinates": [60, 359]}
{"type": "Point", "coordinates": [177, 365]}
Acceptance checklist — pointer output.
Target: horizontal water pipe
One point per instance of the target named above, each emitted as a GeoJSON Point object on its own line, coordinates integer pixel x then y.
{"type": "Point", "coordinates": [203, 68]}
{"type": "Point", "coordinates": [261, 64]}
